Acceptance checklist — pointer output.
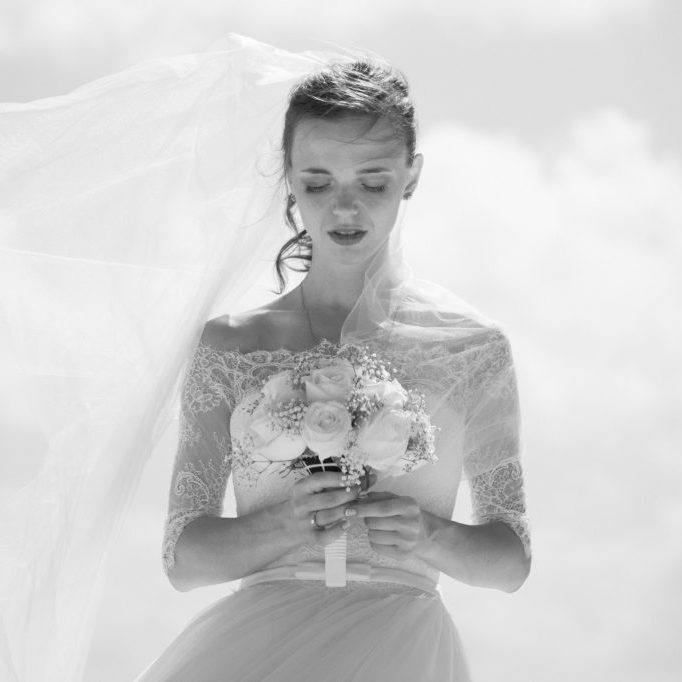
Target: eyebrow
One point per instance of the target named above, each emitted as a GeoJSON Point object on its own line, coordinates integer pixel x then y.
{"type": "Point", "coordinates": [365, 171]}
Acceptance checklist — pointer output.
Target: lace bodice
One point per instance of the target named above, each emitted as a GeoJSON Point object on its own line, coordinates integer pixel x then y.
{"type": "Point", "coordinates": [215, 382]}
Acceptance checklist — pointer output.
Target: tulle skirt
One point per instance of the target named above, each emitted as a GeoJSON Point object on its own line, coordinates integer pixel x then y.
{"type": "Point", "coordinates": [302, 631]}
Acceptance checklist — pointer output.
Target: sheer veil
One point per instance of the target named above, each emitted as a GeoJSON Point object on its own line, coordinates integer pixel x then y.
{"type": "Point", "coordinates": [131, 210]}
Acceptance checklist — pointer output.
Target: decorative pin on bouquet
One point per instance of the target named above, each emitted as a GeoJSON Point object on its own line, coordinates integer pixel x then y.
{"type": "Point", "coordinates": [344, 412]}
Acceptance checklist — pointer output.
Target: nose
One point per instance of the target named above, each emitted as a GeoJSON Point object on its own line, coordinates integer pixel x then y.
{"type": "Point", "coordinates": [344, 205]}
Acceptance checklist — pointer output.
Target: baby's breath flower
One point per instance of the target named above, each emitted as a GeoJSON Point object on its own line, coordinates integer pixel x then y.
{"type": "Point", "coordinates": [289, 415]}
{"type": "Point", "coordinates": [362, 403]}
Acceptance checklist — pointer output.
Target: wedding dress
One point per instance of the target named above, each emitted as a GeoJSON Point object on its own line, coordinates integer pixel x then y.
{"type": "Point", "coordinates": [132, 210]}
{"type": "Point", "coordinates": [389, 622]}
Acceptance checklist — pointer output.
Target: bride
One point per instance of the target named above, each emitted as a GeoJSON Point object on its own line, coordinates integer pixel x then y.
{"type": "Point", "coordinates": [135, 209]}
{"type": "Point", "coordinates": [349, 161]}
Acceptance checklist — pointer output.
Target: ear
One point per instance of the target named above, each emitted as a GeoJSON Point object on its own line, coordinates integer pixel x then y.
{"type": "Point", "coordinates": [415, 172]}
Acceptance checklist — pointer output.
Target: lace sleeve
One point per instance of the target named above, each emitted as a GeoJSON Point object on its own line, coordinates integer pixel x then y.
{"type": "Point", "coordinates": [203, 459]}
{"type": "Point", "coordinates": [498, 496]}
{"type": "Point", "coordinates": [492, 462]}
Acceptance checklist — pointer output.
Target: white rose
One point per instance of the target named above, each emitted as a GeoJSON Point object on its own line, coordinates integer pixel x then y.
{"type": "Point", "coordinates": [383, 438]}
{"type": "Point", "coordinates": [278, 389]}
{"type": "Point", "coordinates": [270, 442]}
{"type": "Point", "coordinates": [325, 428]}
{"type": "Point", "coordinates": [390, 393]}
{"type": "Point", "coordinates": [332, 382]}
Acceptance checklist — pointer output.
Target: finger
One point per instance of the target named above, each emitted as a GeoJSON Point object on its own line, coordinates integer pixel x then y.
{"type": "Point", "coordinates": [326, 516]}
{"type": "Point", "coordinates": [394, 524]}
{"type": "Point", "coordinates": [374, 495]}
{"type": "Point", "coordinates": [390, 551]}
{"type": "Point", "coordinates": [383, 537]}
{"type": "Point", "coordinates": [320, 481]}
{"type": "Point", "coordinates": [329, 534]}
{"type": "Point", "coordinates": [327, 499]}
{"type": "Point", "coordinates": [390, 506]}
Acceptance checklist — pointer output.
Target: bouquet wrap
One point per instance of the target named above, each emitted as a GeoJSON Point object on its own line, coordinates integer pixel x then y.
{"type": "Point", "coordinates": [335, 552]}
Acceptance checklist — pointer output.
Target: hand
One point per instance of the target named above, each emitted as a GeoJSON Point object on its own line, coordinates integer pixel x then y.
{"type": "Point", "coordinates": [396, 525]}
{"type": "Point", "coordinates": [324, 493]}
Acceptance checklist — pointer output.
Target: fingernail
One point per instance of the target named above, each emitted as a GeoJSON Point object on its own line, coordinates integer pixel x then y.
{"type": "Point", "coordinates": [350, 511]}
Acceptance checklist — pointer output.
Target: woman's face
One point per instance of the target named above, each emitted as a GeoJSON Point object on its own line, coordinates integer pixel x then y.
{"type": "Point", "coordinates": [348, 182]}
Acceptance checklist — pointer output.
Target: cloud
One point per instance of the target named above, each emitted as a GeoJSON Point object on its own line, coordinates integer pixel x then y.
{"type": "Point", "coordinates": [596, 201]}
{"type": "Point", "coordinates": [147, 24]}
{"type": "Point", "coordinates": [540, 15]}
{"type": "Point", "coordinates": [575, 248]}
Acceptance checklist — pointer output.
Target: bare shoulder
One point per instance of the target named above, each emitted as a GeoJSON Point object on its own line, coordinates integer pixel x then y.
{"type": "Point", "coordinates": [232, 332]}
{"type": "Point", "coordinates": [261, 328]}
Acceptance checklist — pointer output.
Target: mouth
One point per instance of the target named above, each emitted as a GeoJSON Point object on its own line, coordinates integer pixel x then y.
{"type": "Point", "coordinates": [347, 235]}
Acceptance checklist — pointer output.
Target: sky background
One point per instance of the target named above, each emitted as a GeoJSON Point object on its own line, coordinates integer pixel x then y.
{"type": "Point", "coordinates": [552, 186]}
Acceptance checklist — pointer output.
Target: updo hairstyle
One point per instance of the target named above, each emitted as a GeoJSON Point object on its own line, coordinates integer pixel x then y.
{"type": "Point", "coordinates": [358, 88]}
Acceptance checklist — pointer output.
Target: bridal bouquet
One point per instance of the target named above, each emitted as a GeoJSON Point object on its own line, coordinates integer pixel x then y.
{"type": "Point", "coordinates": [346, 411]}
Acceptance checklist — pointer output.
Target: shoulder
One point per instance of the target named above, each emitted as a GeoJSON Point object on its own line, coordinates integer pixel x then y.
{"type": "Point", "coordinates": [429, 304]}
{"type": "Point", "coordinates": [255, 329]}
{"type": "Point", "coordinates": [488, 350]}
{"type": "Point", "coordinates": [493, 340]}
{"type": "Point", "coordinates": [233, 332]}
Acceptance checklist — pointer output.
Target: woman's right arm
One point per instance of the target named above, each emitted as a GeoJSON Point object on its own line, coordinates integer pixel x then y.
{"type": "Point", "coordinates": [200, 547]}
{"type": "Point", "coordinates": [218, 549]}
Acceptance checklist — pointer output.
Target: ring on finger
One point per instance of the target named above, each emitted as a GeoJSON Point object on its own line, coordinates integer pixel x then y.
{"type": "Point", "coordinates": [313, 521]}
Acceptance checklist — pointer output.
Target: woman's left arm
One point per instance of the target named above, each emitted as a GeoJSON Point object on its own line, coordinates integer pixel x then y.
{"type": "Point", "coordinates": [495, 552]}
{"type": "Point", "coordinates": [485, 555]}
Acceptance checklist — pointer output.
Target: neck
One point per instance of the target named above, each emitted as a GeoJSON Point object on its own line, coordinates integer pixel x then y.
{"type": "Point", "coordinates": [337, 286]}
{"type": "Point", "coordinates": [332, 288]}
{"type": "Point", "coordinates": [328, 294]}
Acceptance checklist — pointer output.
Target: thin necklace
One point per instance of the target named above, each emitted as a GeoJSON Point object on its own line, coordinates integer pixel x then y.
{"type": "Point", "coordinates": [307, 314]}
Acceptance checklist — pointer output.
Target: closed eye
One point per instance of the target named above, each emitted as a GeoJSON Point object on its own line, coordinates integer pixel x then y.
{"type": "Point", "coordinates": [368, 188]}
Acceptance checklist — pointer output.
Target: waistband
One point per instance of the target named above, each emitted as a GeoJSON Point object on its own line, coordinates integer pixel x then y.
{"type": "Point", "coordinates": [355, 571]}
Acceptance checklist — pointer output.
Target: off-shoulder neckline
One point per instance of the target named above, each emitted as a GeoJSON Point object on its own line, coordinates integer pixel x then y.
{"type": "Point", "coordinates": [324, 342]}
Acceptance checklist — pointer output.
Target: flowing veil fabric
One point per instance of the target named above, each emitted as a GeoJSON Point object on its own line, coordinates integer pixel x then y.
{"type": "Point", "coordinates": [132, 210]}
